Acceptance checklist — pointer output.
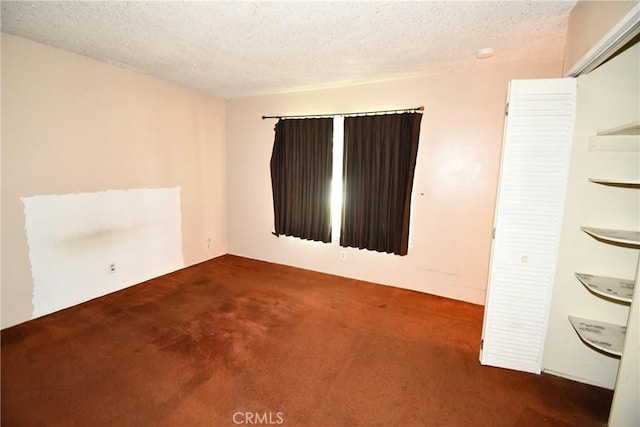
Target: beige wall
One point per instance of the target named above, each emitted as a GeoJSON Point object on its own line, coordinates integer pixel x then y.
{"type": "Point", "coordinates": [454, 190]}
{"type": "Point", "coordinates": [74, 125]}
{"type": "Point", "coordinates": [607, 98]}
{"type": "Point", "coordinates": [589, 22]}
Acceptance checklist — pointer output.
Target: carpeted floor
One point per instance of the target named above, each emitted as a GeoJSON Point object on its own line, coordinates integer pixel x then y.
{"type": "Point", "coordinates": [235, 341]}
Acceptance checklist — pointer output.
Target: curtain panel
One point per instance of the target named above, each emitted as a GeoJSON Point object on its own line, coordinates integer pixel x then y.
{"type": "Point", "coordinates": [378, 167]}
{"type": "Point", "coordinates": [301, 172]}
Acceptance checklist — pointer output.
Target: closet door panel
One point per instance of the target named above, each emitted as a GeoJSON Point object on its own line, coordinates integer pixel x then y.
{"type": "Point", "coordinates": [529, 210]}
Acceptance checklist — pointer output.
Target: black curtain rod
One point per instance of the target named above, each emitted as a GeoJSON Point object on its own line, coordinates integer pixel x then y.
{"type": "Point", "coordinates": [363, 113]}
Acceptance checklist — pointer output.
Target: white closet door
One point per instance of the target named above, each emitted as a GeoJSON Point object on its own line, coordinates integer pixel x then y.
{"type": "Point", "coordinates": [531, 193]}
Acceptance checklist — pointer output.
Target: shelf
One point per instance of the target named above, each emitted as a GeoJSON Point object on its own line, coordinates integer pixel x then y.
{"type": "Point", "coordinates": [615, 236]}
{"type": "Point", "coordinates": [606, 337]}
{"type": "Point", "coordinates": [630, 183]}
{"type": "Point", "coordinates": [610, 287]}
{"type": "Point", "coordinates": [628, 129]}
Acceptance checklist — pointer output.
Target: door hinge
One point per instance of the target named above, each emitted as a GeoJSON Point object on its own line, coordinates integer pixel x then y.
{"type": "Point", "coordinates": [493, 233]}
{"type": "Point", "coordinates": [481, 344]}
{"type": "Point", "coordinates": [506, 110]}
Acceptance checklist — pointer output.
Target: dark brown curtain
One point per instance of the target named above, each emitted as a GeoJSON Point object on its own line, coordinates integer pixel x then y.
{"type": "Point", "coordinates": [379, 161]}
{"type": "Point", "coordinates": [301, 168]}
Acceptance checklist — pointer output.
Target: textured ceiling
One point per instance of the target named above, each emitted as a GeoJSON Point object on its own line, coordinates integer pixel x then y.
{"type": "Point", "coordinates": [238, 49]}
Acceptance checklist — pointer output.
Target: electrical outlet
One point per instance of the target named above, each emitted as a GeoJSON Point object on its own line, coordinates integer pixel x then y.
{"type": "Point", "coordinates": [112, 268]}
{"type": "Point", "coordinates": [343, 255]}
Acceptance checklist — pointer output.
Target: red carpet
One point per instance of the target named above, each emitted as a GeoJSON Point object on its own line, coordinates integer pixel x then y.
{"type": "Point", "coordinates": [235, 341]}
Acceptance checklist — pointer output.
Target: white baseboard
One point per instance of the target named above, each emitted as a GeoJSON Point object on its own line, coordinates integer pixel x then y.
{"type": "Point", "coordinates": [574, 378]}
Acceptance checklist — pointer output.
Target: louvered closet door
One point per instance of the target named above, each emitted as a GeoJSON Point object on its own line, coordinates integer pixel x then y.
{"type": "Point", "coordinates": [531, 193]}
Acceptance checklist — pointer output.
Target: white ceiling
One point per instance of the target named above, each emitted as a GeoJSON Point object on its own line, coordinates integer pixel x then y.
{"type": "Point", "coordinates": [237, 49]}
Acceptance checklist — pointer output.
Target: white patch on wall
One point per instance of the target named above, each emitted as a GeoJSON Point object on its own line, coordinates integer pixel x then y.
{"type": "Point", "coordinates": [82, 246]}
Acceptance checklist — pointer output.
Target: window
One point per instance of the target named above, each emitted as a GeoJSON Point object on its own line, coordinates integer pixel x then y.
{"type": "Point", "coordinates": [361, 182]}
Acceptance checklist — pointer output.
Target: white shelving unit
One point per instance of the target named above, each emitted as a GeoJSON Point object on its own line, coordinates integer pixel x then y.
{"type": "Point", "coordinates": [607, 337]}
{"type": "Point", "coordinates": [625, 237]}
{"type": "Point", "coordinates": [622, 138]}
{"type": "Point", "coordinates": [610, 287]}
{"type": "Point", "coordinates": [604, 336]}
{"type": "Point", "coordinates": [623, 131]}
{"type": "Point", "coordinates": [630, 183]}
